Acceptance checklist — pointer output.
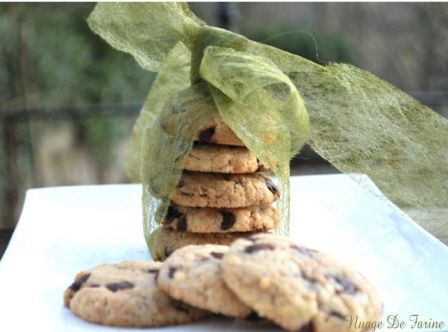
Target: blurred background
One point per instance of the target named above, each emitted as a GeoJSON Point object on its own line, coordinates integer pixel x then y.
{"type": "Point", "coordinates": [68, 100]}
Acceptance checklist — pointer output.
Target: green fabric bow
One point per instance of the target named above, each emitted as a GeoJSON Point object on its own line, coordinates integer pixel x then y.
{"type": "Point", "coordinates": [275, 102]}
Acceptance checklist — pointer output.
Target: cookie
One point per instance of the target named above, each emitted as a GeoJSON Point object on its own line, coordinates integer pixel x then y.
{"type": "Point", "coordinates": [164, 241]}
{"type": "Point", "coordinates": [211, 220]}
{"type": "Point", "coordinates": [222, 159]}
{"type": "Point", "coordinates": [192, 114]}
{"type": "Point", "coordinates": [224, 190]}
{"type": "Point", "coordinates": [194, 107]}
{"type": "Point", "coordinates": [298, 288]}
{"type": "Point", "coordinates": [126, 295]}
{"type": "Point", "coordinates": [216, 131]}
{"type": "Point", "coordinates": [192, 275]}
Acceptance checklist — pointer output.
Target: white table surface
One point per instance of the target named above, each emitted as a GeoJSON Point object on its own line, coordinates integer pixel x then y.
{"type": "Point", "coordinates": [67, 229]}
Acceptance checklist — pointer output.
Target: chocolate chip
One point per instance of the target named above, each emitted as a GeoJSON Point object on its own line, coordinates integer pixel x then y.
{"type": "Point", "coordinates": [76, 285]}
{"type": "Point", "coordinates": [227, 177]}
{"type": "Point", "coordinates": [257, 247]}
{"type": "Point", "coordinates": [307, 327]}
{"type": "Point", "coordinates": [272, 187]}
{"type": "Point", "coordinates": [94, 286]}
{"type": "Point", "coordinates": [116, 286]}
{"type": "Point", "coordinates": [253, 316]}
{"type": "Point", "coordinates": [171, 272]}
{"type": "Point", "coordinates": [309, 279]}
{"type": "Point", "coordinates": [337, 314]}
{"type": "Point", "coordinates": [303, 251]}
{"type": "Point", "coordinates": [345, 285]}
{"type": "Point", "coordinates": [167, 252]}
{"type": "Point", "coordinates": [180, 306]}
{"type": "Point", "coordinates": [155, 272]}
{"type": "Point", "coordinates": [182, 223]}
{"type": "Point", "coordinates": [261, 167]}
{"type": "Point", "coordinates": [217, 255]}
{"type": "Point", "coordinates": [207, 134]}
{"type": "Point", "coordinates": [228, 220]}
{"type": "Point", "coordinates": [171, 214]}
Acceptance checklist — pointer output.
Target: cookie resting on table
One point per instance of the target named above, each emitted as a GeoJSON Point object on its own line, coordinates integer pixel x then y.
{"type": "Point", "coordinates": [300, 289]}
{"type": "Point", "coordinates": [191, 275]}
{"type": "Point", "coordinates": [126, 295]}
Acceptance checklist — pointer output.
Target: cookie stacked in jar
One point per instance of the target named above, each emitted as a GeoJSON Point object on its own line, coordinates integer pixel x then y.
{"type": "Point", "coordinates": [224, 193]}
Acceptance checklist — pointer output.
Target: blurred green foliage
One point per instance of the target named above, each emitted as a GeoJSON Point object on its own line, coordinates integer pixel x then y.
{"type": "Point", "coordinates": [49, 59]}
{"type": "Point", "coordinates": [319, 47]}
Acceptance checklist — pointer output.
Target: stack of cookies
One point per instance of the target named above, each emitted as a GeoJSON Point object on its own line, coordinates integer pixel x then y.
{"type": "Point", "coordinates": [224, 193]}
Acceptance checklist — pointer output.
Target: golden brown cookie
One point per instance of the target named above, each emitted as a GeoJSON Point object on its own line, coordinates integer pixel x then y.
{"type": "Point", "coordinates": [212, 220]}
{"type": "Point", "coordinates": [164, 241]}
{"type": "Point", "coordinates": [222, 159]}
{"type": "Point", "coordinates": [224, 190]}
{"type": "Point", "coordinates": [299, 288]}
{"type": "Point", "coordinates": [126, 295]}
{"type": "Point", "coordinates": [216, 131]}
{"type": "Point", "coordinates": [192, 275]}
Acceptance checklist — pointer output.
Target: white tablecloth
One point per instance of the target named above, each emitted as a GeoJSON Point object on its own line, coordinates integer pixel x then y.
{"type": "Point", "coordinates": [67, 229]}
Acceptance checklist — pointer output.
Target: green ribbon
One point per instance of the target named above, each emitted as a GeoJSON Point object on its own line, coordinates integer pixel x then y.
{"type": "Point", "coordinates": [275, 102]}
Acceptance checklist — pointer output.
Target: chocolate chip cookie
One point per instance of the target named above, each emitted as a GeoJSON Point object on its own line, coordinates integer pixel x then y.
{"type": "Point", "coordinates": [126, 295]}
{"type": "Point", "coordinates": [194, 103]}
{"type": "Point", "coordinates": [192, 275]}
{"type": "Point", "coordinates": [213, 131]}
{"type": "Point", "coordinates": [224, 190]}
{"type": "Point", "coordinates": [222, 159]}
{"type": "Point", "coordinates": [299, 288]}
{"type": "Point", "coordinates": [164, 241]}
{"type": "Point", "coordinates": [211, 220]}
{"type": "Point", "coordinates": [216, 131]}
